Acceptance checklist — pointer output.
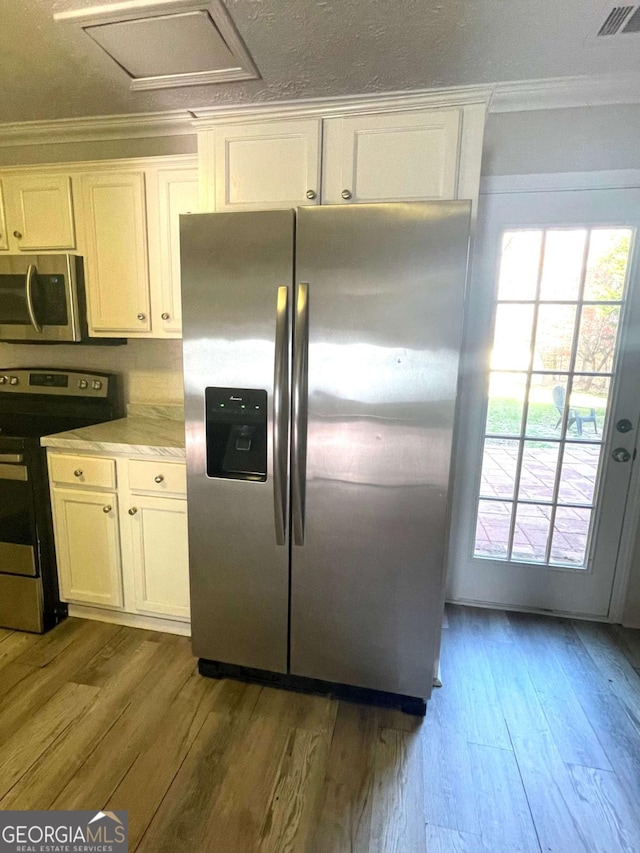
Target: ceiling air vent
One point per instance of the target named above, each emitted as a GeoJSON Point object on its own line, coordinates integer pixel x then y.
{"type": "Point", "coordinates": [615, 19]}
{"type": "Point", "coordinates": [633, 24]}
{"type": "Point", "coordinates": [165, 43]}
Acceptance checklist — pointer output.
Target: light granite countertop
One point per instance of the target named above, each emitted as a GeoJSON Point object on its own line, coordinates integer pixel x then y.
{"type": "Point", "coordinates": [146, 436]}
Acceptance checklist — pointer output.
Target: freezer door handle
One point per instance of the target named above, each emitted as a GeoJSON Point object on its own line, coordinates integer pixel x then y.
{"type": "Point", "coordinates": [299, 420]}
{"type": "Point", "coordinates": [281, 414]}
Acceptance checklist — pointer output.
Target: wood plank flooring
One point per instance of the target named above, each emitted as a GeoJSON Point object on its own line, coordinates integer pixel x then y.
{"type": "Point", "coordinates": [531, 746]}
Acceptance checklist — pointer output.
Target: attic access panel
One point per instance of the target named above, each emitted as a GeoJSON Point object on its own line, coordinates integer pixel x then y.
{"type": "Point", "coordinates": [168, 43]}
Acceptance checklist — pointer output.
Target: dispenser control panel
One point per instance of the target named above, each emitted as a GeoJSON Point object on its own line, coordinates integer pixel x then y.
{"type": "Point", "coordinates": [236, 433]}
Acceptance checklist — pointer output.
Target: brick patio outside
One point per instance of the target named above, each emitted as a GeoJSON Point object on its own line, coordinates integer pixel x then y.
{"type": "Point", "coordinates": [580, 468]}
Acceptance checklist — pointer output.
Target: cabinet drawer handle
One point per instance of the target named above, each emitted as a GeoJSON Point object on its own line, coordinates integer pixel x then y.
{"type": "Point", "coordinates": [77, 472]}
{"type": "Point", "coordinates": [310, 193]}
{"type": "Point", "coordinates": [142, 316]}
{"type": "Point", "coordinates": [346, 194]}
{"type": "Point", "coordinates": [165, 315]}
{"type": "Point", "coordinates": [17, 235]}
{"type": "Point", "coordinates": [106, 508]}
{"type": "Point", "coordinates": [159, 478]}
{"type": "Point", "coordinates": [133, 510]}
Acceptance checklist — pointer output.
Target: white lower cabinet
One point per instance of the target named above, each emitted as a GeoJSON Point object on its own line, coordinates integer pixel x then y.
{"type": "Point", "coordinates": [158, 531]}
{"type": "Point", "coordinates": [88, 546]}
{"type": "Point", "coordinates": [122, 549]}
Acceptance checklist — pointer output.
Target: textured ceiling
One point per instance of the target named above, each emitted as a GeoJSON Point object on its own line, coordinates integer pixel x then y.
{"type": "Point", "coordinates": [315, 48]}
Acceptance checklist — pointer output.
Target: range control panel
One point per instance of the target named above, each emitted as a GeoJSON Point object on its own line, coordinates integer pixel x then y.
{"type": "Point", "coordinates": [69, 383]}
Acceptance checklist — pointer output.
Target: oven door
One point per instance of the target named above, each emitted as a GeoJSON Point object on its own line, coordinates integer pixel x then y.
{"type": "Point", "coordinates": [21, 592]}
{"type": "Point", "coordinates": [39, 298]}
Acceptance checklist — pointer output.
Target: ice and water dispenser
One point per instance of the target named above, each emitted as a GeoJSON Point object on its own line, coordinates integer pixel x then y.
{"type": "Point", "coordinates": [236, 433]}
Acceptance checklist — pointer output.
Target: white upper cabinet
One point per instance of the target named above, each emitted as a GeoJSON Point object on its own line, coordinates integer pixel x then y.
{"type": "Point", "coordinates": [4, 240]}
{"type": "Point", "coordinates": [263, 164]}
{"type": "Point", "coordinates": [39, 213]}
{"type": "Point", "coordinates": [170, 193]}
{"type": "Point", "coordinates": [114, 214]}
{"type": "Point", "coordinates": [400, 156]}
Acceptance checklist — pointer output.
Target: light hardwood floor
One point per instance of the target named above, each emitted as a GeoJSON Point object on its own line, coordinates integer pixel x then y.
{"type": "Point", "coordinates": [532, 745]}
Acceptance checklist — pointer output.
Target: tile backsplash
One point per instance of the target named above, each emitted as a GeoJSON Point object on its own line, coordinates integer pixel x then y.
{"type": "Point", "coordinates": [151, 370]}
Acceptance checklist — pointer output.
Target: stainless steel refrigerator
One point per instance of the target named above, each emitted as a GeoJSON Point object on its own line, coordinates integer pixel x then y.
{"type": "Point", "coordinates": [321, 350]}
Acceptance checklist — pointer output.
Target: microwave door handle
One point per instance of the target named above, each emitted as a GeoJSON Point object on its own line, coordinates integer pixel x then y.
{"type": "Point", "coordinates": [28, 285]}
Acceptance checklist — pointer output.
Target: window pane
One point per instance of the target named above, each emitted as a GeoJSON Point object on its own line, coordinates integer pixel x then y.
{"type": "Point", "coordinates": [597, 338]}
{"type": "Point", "coordinates": [588, 407]}
{"type": "Point", "coordinates": [554, 337]}
{"type": "Point", "coordinates": [498, 468]}
{"type": "Point", "coordinates": [607, 263]}
{"type": "Point", "coordinates": [579, 471]}
{"type": "Point", "coordinates": [546, 401]}
{"type": "Point", "coordinates": [570, 534]}
{"type": "Point", "coordinates": [506, 398]}
{"type": "Point", "coordinates": [562, 266]}
{"type": "Point", "coordinates": [512, 337]}
{"type": "Point", "coordinates": [492, 529]}
{"type": "Point", "coordinates": [519, 262]}
{"type": "Point", "coordinates": [538, 474]}
{"type": "Point", "coordinates": [531, 533]}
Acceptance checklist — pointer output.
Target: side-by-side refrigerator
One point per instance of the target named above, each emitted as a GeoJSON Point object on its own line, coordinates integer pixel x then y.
{"type": "Point", "coordinates": [321, 350]}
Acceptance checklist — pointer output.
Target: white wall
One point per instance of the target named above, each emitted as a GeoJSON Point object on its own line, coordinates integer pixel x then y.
{"type": "Point", "coordinates": [582, 139]}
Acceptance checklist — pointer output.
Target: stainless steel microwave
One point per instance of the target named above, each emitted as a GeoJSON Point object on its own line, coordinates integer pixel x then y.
{"type": "Point", "coordinates": [42, 299]}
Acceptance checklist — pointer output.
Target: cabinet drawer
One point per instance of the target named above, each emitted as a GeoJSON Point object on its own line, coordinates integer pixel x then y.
{"type": "Point", "coordinates": [157, 477]}
{"type": "Point", "coordinates": [83, 471]}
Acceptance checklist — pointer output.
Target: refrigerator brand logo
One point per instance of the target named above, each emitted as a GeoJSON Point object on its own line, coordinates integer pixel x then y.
{"type": "Point", "coordinates": [63, 832]}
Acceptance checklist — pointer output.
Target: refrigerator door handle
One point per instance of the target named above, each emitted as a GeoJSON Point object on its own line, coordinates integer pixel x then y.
{"type": "Point", "coordinates": [299, 420]}
{"type": "Point", "coordinates": [281, 414]}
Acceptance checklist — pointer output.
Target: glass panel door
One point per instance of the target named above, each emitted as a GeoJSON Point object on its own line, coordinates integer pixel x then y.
{"type": "Point", "coordinates": [560, 297]}
{"type": "Point", "coordinates": [545, 460]}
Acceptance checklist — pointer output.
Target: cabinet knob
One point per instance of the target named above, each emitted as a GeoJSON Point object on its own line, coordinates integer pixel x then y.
{"type": "Point", "coordinates": [346, 194]}
{"type": "Point", "coordinates": [77, 472]}
{"type": "Point", "coordinates": [17, 235]}
{"type": "Point", "coordinates": [310, 193]}
{"type": "Point", "coordinates": [142, 316]}
{"type": "Point", "coordinates": [159, 478]}
{"type": "Point", "coordinates": [133, 510]}
{"type": "Point", "coordinates": [165, 315]}
{"type": "Point", "coordinates": [106, 509]}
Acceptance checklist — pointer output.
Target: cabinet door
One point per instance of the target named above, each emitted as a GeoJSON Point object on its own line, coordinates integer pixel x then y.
{"type": "Point", "coordinates": [40, 212]}
{"type": "Point", "coordinates": [88, 546]}
{"type": "Point", "coordinates": [267, 164]}
{"type": "Point", "coordinates": [405, 156]}
{"type": "Point", "coordinates": [160, 556]}
{"type": "Point", "coordinates": [116, 248]}
{"type": "Point", "coordinates": [4, 241]}
{"type": "Point", "coordinates": [177, 193]}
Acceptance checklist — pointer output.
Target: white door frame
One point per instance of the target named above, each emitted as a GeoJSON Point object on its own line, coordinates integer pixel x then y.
{"type": "Point", "coordinates": [553, 182]}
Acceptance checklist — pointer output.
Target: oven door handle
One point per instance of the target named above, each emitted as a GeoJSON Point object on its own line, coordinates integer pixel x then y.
{"type": "Point", "coordinates": [28, 286]}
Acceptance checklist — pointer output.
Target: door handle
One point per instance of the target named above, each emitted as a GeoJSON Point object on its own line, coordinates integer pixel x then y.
{"type": "Point", "coordinates": [621, 454]}
{"type": "Point", "coordinates": [300, 412]}
{"type": "Point", "coordinates": [28, 287]}
{"type": "Point", "coordinates": [281, 414]}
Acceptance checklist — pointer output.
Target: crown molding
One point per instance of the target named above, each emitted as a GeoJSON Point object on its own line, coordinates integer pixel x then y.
{"type": "Point", "coordinates": [343, 105]}
{"type": "Point", "coordinates": [513, 96]}
{"type": "Point", "coordinates": [96, 128]}
{"type": "Point", "coordinates": [565, 92]}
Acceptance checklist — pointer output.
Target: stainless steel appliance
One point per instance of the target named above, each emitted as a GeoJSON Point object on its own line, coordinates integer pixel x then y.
{"type": "Point", "coordinates": [321, 365]}
{"type": "Point", "coordinates": [36, 402]}
{"type": "Point", "coordinates": [42, 300]}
